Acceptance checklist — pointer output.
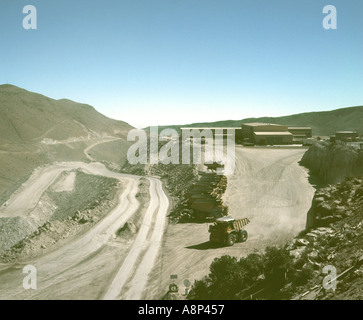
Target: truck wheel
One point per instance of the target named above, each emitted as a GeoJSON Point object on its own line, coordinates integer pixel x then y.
{"type": "Point", "coordinates": [231, 239]}
{"type": "Point", "coordinates": [242, 236]}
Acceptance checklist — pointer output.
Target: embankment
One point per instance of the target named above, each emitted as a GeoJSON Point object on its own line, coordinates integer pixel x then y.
{"type": "Point", "coordinates": [333, 162]}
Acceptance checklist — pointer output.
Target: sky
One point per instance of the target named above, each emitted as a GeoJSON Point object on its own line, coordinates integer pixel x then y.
{"type": "Point", "coordinates": [160, 62]}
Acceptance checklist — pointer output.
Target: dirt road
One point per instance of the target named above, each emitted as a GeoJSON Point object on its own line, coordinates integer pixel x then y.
{"type": "Point", "coordinates": [94, 257]}
{"type": "Point", "coordinates": [88, 149]}
{"type": "Point", "coordinates": [269, 187]}
{"type": "Point", "coordinates": [148, 241]}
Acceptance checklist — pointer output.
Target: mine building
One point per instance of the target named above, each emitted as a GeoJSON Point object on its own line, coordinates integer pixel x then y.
{"type": "Point", "coordinates": [347, 135]}
{"type": "Point", "coordinates": [300, 133]}
{"type": "Point", "coordinates": [266, 133]}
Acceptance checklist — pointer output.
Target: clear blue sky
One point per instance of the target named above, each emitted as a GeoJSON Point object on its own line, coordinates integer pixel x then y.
{"type": "Point", "coordinates": [152, 62]}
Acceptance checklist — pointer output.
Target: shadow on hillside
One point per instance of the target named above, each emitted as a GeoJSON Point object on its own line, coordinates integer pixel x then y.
{"type": "Point", "coordinates": [313, 179]}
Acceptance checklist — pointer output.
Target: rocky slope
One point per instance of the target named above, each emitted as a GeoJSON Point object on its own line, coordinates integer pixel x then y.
{"type": "Point", "coordinates": [333, 162]}
{"type": "Point", "coordinates": [56, 207]}
{"type": "Point", "coordinates": [335, 202]}
{"type": "Point", "coordinates": [333, 238]}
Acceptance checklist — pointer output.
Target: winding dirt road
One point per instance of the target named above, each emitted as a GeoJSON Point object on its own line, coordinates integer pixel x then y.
{"type": "Point", "coordinates": [268, 186]}
{"type": "Point", "coordinates": [58, 270]}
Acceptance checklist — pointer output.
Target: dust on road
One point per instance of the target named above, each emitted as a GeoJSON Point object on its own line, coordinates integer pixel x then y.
{"type": "Point", "coordinates": [269, 187]}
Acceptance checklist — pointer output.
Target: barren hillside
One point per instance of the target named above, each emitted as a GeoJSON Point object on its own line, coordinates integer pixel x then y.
{"type": "Point", "coordinates": [36, 130]}
{"type": "Point", "coordinates": [29, 117]}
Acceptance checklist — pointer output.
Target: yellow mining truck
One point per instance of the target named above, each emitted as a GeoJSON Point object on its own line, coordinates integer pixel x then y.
{"type": "Point", "coordinates": [226, 230]}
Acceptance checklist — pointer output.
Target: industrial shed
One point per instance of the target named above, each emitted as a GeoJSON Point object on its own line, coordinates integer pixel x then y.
{"type": "Point", "coordinates": [347, 135]}
{"type": "Point", "coordinates": [273, 138]}
{"type": "Point", "coordinates": [301, 132]}
{"type": "Point", "coordinates": [266, 133]}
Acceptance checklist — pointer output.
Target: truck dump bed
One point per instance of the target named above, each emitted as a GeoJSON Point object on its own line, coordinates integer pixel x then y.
{"type": "Point", "coordinates": [239, 224]}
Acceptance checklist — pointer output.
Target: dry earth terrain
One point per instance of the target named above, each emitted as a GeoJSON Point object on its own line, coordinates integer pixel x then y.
{"type": "Point", "coordinates": [269, 187]}
{"type": "Point", "coordinates": [95, 264]}
{"type": "Point", "coordinates": [121, 247]}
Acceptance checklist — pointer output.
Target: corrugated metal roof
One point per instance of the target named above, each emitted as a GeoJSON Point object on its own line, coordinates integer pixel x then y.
{"type": "Point", "coordinates": [299, 128]}
{"type": "Point", "coordinates": [273, 133]}
{"type": "Point", "coordinates": [350, 132]}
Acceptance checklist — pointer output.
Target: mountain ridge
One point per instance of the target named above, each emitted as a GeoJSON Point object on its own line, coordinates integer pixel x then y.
{"type": "Point", "coordinates": [27, 116]}
{"type": "Point", "coordinates": [36, 130]}
{"type": "Point", "coordinates": [323, 123]}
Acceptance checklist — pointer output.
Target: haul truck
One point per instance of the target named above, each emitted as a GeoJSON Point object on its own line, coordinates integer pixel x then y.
{"type": "Point", "coordinates": [226, 231]}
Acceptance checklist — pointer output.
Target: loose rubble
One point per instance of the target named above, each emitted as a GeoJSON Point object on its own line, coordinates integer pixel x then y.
{"type": "Point", "coordinates": [333, 237]}
{"type": "Point", "coordinates": [203, 200]}
{"type": "Point", "coordinates": [29, 236]}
